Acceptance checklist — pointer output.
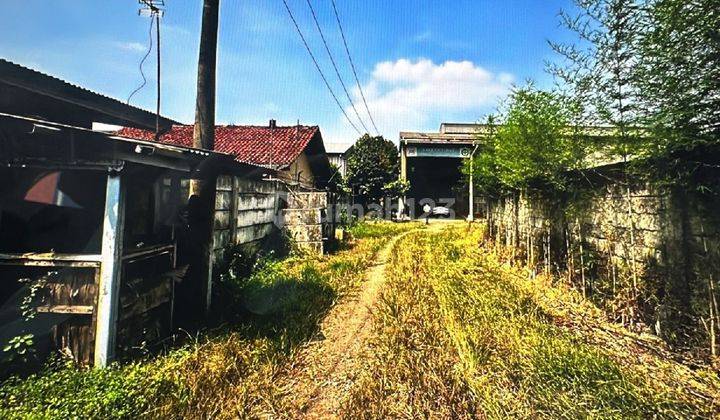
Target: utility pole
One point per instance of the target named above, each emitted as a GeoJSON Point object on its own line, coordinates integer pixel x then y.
{"type": "Point", "coordinates": [154, 9]}
{"type": "Point", "coordinates": [204, 138]}
{"type": "Point", "coordinates": [204, 132]}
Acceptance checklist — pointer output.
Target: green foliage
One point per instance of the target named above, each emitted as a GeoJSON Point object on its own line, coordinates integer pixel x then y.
{"type": "Point", "coordinates": [653, 64]}
{"type": "Point", "coordinates": [534, 145]}
{"type": "Point", "coordinates": [397, 188]}
{"type": "Point", "coordinates": [64, 391]}
{"type": "Point", "coordinates": [678, 71]}
{"type": "Point", "coordinates": [376, 230]}
{"type": "Point", "coordinates": [337, 184]}
{"type": "Point", "coordinates": [598, 71]}
{"type": "Point", "coordinates": [372, 163]}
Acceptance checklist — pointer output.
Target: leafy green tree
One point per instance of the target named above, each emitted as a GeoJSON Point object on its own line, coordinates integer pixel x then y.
{"type": "Point", "coordinates": [336, 184]}
{"type": "Point", "coordinates": [599, 71]}
{"type": "Point", "coordinates": [397, 188]}
{"type": "Point", "coordinates": [678, 71]}
{"type": "Point", "coordinates": [653, 64]}
{"type": "Point", "coordinates": [534, 144]}
{"type": "Point", "coordinates": [372, 163]}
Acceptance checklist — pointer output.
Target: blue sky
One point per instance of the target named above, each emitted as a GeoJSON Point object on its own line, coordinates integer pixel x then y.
{"type": "Point", "coordinates": [420, 62]}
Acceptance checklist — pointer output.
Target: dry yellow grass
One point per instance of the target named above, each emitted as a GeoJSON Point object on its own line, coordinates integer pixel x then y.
{"type": "Point", "coordinates": [459, 334]}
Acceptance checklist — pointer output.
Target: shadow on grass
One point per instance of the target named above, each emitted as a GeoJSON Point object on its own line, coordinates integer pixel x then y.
{"type": "Point", "coordinates": [286, 309]}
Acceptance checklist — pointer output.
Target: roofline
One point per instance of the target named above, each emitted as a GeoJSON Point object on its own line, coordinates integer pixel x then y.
{"type": "Point", "coordinates": [164, 146]}
{"type": "Point", "coordinates": [44, 84]}
{"type": "Point", "coordinates": [420, 137]}
{"type": "Point", "coordinates": [207, 159]}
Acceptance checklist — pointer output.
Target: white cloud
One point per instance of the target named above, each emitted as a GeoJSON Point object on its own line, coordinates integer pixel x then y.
{"type": "Point", "coordinates": [407, 95]}
{"type": "Point", "coordinates": [132, 46]}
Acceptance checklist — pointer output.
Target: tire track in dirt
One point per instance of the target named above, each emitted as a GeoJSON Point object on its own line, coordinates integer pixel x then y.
{"type": "Point", "coordinates": [325, 369]}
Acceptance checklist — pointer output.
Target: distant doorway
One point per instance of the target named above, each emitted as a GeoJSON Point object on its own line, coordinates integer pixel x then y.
{"type": "Point", "coordinates": [438, 179]}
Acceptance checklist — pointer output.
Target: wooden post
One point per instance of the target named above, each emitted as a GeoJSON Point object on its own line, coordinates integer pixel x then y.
{"type": "Point", "coordinates": [110, 269]}
{"type": "Point", "coordinates": [204, 138]}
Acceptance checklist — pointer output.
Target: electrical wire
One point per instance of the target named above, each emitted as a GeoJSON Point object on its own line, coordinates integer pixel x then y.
{"type": "Point", "coordinates": [332, 60]}
{"type": "Point", "coordinates": [147, 54]}
{"type": "Point", "coordinates": [352, 65]}
{"type": "Point", "coordinates": [317, 66]}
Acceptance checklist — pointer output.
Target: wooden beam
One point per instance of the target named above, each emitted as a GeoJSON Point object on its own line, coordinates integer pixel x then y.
{"type": "Point", "coordinates": [66, 309]}
{"type": "Point", "coordinates": [110, 269]}
{"type": "Point", "coordinates": [51, 256]}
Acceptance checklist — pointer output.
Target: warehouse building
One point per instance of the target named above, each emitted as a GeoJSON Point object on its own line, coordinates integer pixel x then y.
{"type": "Point", "coordinates": [432, 162]}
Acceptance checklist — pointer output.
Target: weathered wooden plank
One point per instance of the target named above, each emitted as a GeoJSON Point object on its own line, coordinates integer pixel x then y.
{"type": "Point", "coordinates": [224, 183]}
{"type": "Point", "coordinates": [70, 288]}
{"type": "Point", "coordinates": [77, 336]}
{"type": "Point", "coordinates": [223, 200]}
{"type": "Point", "coordinates": [246, 185]}
{"type": "Point", "coordinates": [66, 309]}
{"type": "Point", "coordinates": [135, 305]}
{"type": "Point", "coordinates": [222, 238]}
{"type": "Point", "coordinates": [222, 219]}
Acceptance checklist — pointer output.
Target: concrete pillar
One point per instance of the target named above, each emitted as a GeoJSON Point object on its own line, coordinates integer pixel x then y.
{"type": "Point", "coordinates": [110, 269]}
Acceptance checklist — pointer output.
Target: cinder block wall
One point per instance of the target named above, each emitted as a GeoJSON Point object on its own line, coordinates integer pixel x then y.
{"type": "Point", "coordinates": [663, 243]}
{"type": "Point", "coordinates": [305, 222]}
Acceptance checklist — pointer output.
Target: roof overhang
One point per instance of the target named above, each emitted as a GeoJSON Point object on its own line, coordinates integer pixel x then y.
{"type": "Point", "coordinates": [33, 142]}
{"type": "Point", "coordinates": [24, 91]}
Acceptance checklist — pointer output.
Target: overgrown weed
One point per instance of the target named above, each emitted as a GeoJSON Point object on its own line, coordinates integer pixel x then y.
{"type": "Point", "coordinates": [224, 374]}
{"type": "Point", "coordinates": [460, 334]}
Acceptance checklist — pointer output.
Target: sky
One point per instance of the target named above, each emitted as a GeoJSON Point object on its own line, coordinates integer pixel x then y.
{"type": "Point", "coordinates": [419, 62]}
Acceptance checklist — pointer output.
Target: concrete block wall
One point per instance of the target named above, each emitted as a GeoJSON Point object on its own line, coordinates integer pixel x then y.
{"type": "Point", "coordinates": [305, 222]}
{"type": "Point", "coordinates": [668, 239]}
{"type": "Point", "coordinates": [245, 213]}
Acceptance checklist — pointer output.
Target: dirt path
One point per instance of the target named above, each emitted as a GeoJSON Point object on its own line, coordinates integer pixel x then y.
{"type": "Point", "coordinates": [325, 369]}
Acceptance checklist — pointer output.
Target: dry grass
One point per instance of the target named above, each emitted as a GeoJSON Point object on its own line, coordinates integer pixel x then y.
{"type": "Point", "coordinates": [458, 334]}
{"type": "Point", "coordinates": [226, 374]}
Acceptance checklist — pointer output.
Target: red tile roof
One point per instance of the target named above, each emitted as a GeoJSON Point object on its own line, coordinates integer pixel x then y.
{"type": "Point", "coordinates": [258, 145]}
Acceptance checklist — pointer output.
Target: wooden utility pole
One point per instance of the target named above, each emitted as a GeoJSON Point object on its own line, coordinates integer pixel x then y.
{"type": "Point", "coordinates": [204, 138]}
{"type": "Point", "coordinates": [204, 132]}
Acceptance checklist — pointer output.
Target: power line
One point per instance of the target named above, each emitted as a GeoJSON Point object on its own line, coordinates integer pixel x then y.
{"type": "Point", "coordinates": [142, 73]}
{"type": "Point", "coordinates": [317, 66]}
{"type": "Point", "coordinates": [352, 65]}
{"type": "Point", "coordinates": [332, 60]}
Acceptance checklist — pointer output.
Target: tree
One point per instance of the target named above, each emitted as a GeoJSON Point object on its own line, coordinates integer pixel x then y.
{"type": "Point", "coordinates": [653, 64]}
{"type": "Point", "coordinates": [336, 184]}
{"type": "Point", "coordinates": [679, 71]}
{"type": "Point", "coordinates": [535, 144]}
{"type": "Point", "coordinates": [599, 71]}
{"type": "Point", "coordinates": [372, 163]}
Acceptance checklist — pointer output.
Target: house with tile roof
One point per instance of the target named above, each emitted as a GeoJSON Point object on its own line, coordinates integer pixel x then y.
{"type": "Point", "coordinates": [296, 152]}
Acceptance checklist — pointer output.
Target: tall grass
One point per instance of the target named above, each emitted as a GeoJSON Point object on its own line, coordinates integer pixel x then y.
{"type": "Point", "coordinates": [222, 374]}
{"type": "Point", "coordinates": [460, 335]}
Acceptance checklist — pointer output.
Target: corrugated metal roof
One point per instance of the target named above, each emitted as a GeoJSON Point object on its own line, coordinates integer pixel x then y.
{"type": "Point", "coordinates": [43, 84]}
